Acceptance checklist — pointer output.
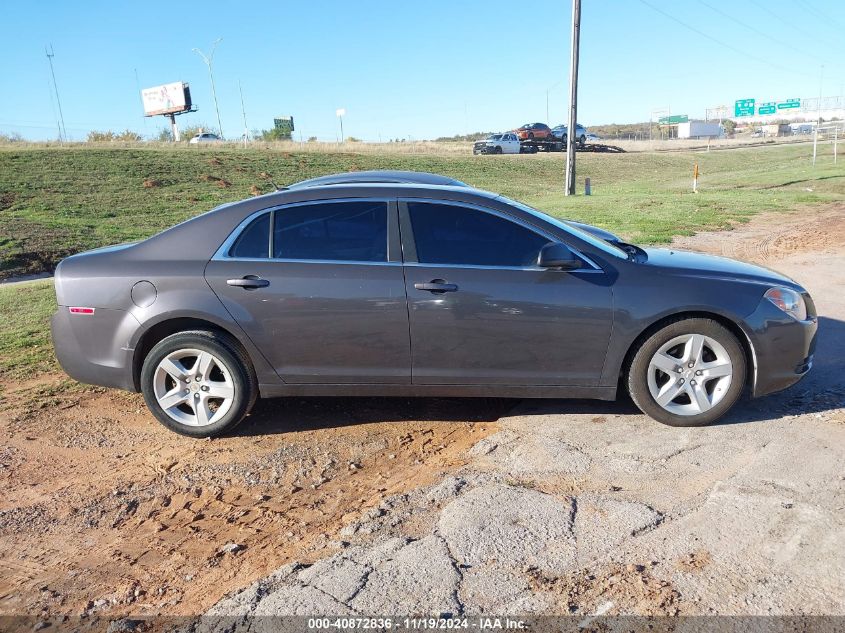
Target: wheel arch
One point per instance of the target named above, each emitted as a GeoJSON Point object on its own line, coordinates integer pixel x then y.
{"type": "Point", "coordinates": [732, 326]}
{"type": "Point", "coordinates": [166, 327]}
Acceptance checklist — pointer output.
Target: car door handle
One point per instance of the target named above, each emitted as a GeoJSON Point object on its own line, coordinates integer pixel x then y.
{"type": "Point", "coordinates": [437, 286]}
{"type": "Point", "coordinates": [250, 282]}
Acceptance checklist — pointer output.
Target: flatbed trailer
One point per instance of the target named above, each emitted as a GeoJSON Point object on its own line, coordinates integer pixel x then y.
{"type": "Point", "coordinates": [533, 145]}
{"type": "Point", "coordinates": [545, 145]}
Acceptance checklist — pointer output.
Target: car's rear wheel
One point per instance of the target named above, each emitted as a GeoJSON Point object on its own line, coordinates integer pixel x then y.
{"type": "Point", "coordinates": [531, 135]}
{"type": "Point", "coordinates": [198, 383]}
{"type": "Point", "coordinates": [689, 373]}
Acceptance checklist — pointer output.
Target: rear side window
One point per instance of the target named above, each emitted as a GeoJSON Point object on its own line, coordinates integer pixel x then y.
{"type": "Point", "coordinates": [338, 231]}
{"type": "Point", "coordinates": [452, 234]}
{"type": "Point", "coordinates": [254, 240]}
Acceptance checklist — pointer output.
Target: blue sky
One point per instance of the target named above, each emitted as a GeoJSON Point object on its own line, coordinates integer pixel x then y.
{"type": "Point", "coordinates": [405, 69]}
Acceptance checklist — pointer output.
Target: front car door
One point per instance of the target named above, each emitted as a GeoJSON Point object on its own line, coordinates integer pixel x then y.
{"type": "Point", "coordinates": [319, 288]}
{"type": "Point", "coordinates": [482, 312]}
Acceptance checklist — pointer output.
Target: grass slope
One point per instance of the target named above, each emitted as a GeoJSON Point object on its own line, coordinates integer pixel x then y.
{"type": "Point", "coordinates": [25, 346]}
{"type": "Point", "coordinates": [57, 201]}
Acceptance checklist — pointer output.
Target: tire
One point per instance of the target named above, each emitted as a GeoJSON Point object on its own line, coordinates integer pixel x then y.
{"type": "Point", "coordinates": [205, 405]}
{"type": "Point", "coordinates": [704, 391]}
{"type": "Point", "coordinates": [498, 150]}
{"type": "Point", "coordinates": [531, 135]}
{"type": "Point", "coordinates": [582, 141]}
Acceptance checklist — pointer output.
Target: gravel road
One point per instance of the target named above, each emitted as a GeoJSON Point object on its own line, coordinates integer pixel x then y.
{"type": "Point", "coordinates": [585, 508]}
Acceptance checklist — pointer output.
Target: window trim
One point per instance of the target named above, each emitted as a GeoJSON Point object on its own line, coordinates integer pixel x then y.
{"type": "Point", "coordinates": [393, 248]}
{"type": "Point", "coordinates": [409, 245]}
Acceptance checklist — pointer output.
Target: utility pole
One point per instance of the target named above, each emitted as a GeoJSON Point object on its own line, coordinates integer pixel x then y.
{"type": "Point", "coordinates": [341, 112]}
{"type": "Point", "coordinates": [818, 115]}
{"type": "Point", "coordinates": [208, 61]}
{"type": "Point", "coordinates": [573, 99]}
{"type": "Point", "coordinates": [243, 112]}
{"type": "Point", "coordinates": [62, 128]}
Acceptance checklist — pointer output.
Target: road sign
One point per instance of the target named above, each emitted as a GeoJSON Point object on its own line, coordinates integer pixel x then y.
{"type": "Point", "coordinates": [744, 107]}
{"type": "Point", "coordinates": [789, 104]}
{"type": "Point", "coordinates": [767, 108]}
{"type": "Point", "coordinates": [673, 120]}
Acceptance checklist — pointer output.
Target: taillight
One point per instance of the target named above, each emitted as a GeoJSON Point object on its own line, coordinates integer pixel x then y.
{"type": "Point", "coordinates": [79, 310]}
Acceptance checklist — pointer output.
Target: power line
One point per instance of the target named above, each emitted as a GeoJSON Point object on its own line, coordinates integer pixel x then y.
{"type": "Point", "coordinates": [718, 41]}
{"type": "Point", "coordinates": [825, 18]}
{"type": "Point", "coordinates": [791, 24]}
{"type": "Point", "coordinates": [756, 30]}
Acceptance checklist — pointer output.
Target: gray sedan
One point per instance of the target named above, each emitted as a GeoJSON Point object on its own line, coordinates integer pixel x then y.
{"type": "Point", "coordinates": [408, 284]}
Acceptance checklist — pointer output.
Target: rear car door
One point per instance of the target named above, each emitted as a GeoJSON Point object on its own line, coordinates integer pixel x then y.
{"type": "Point", "coordinates": [482, 312]}
{"type": "Point", "coordinates": [319, 288]}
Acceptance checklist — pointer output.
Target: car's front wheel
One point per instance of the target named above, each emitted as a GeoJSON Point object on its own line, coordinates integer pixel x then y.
{"type": "Point", "coordinates": [198, 383]}
{"type": "Point", "coordinates": [689, 373]}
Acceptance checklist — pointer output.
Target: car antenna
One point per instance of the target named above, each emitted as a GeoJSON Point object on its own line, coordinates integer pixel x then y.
{"type": "Point", "coordinates": [269, 179]}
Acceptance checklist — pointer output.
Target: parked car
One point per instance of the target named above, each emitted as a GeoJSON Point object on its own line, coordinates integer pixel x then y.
{"type": "Point", "coordinates": [506, 143]}
{"type": "Point", "coordinates": [592, 138]}
{"type": "Point", "coordinates": [533, 131]}
{"type": "Point", "coordinates": [559, 132]}
{"type": "Point", "coordinates": [205, 137]}
{"type": "Point", "coordinates": [403, 284]}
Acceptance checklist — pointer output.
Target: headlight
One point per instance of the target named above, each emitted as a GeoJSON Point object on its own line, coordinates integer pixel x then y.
{"type": "Point", "coordinates": [789, 301]}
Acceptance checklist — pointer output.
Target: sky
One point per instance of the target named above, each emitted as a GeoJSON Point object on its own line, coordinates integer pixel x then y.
{"type": "Point", "coordinates": [408, 69]}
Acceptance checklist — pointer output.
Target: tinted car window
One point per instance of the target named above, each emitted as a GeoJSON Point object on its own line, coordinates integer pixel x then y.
{"type": "Point", "coordinates": [254, 240]}
{"type": "Point", "coordinates": [451, 234]}
{"type": "Point", "coordinates": [341, 231]}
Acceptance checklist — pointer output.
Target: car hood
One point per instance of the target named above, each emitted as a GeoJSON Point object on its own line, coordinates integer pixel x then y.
{"type": "Point", "coordinates": [607, 236]}
{"type": "Point", "coordinates": [701, 265]}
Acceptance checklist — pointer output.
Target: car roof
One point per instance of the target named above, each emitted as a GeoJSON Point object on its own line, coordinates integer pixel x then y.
{"type": "Point", "coordinates": [378, 177]}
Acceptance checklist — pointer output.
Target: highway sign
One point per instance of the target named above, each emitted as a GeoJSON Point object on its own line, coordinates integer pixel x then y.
{"type": "Point", "coordinates": [767, 108]}
{"type": "Point", "coordinates": [673, 120]}
{"type": "Point", "coordinates": [744, 107]}
{"type": "Point", "coordinates": [789, 104]}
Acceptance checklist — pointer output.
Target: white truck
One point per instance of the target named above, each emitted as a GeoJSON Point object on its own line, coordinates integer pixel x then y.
{"type": "Point", "coordinates": [506, 143]}
{"type": "Point", "coordinates": [700, 129]}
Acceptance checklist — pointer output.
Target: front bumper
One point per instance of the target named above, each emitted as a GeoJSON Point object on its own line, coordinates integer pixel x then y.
{"type": "Point", "coordinates": [94, 348]}
{"type": "Point", "coordinates": [479, 148]}
{"type": "Point", "coordinates": [783, 348]}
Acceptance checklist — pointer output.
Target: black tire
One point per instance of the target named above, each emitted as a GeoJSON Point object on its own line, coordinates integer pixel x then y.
{"type": "Point", "coordinates": [637, 374]}
{"type": "Point", "coordinates": [531, 135]}
{"type": "Point", "coordinates": [582, 141]}
{"type": "Point", "coordinates": [229, 352]}
{"type": "Point", "coordinates": [498, 149]}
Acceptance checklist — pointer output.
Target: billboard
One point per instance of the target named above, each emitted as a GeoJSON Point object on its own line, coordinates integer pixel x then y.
{"type": "Point", "coordinates": [166, 99]}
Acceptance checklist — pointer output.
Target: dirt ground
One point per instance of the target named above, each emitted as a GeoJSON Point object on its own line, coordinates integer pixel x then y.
{"type": "Point", "coordinates": [104, 512]}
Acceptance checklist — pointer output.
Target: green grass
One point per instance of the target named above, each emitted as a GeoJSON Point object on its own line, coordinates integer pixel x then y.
{"type": "Point", "coordinates": [25, 346]}
{"type": "Point", "coordinates": [56, 201]}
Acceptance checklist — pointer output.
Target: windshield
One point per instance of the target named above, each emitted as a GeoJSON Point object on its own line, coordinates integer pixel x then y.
{"type": "Point", "coordinates": [591, 239]}
{"type": "Point", "coordinates": [494, 137]}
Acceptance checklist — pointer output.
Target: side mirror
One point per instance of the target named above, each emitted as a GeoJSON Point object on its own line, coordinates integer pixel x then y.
{"type": "Point", "coordinates": [558, 256]}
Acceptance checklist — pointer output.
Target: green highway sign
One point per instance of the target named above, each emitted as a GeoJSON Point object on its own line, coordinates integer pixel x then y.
{"type": "Point", "coordinates": [767, 108]}
{"type": "Point", "coordinates": [789, 104]}
{"type": "Point", "coordinates": [673, 120]}
{"type": "Point", "coordinates": [744, 107]}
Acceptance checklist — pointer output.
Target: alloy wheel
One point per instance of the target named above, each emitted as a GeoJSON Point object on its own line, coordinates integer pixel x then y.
{"type": "Point", "coordinates": [193, 387]}
{"type": "Point", "coordinates": [690, 374]}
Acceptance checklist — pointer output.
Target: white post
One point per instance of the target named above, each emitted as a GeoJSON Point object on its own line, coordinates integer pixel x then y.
{"type": "Point", "coordinates": [835, 142]}
{"type": "Point", "coordinates": [815, 143]}
{"type": "Point", "coordinates": [174, 129]}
